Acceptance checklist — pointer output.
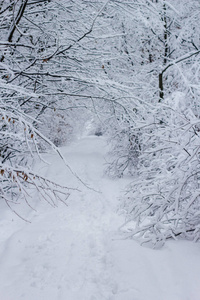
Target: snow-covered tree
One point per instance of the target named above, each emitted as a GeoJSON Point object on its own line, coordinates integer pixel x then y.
{"type": "Point", "coordinates": [135, 67]}
{"type": "Point", "coordinates": [156, 130]}
{"type": "Point", "coordinates": [41, 43]}
{"type": "Point", "coordinates": [163, 201]}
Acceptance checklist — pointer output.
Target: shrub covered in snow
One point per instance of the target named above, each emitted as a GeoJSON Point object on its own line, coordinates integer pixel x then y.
{"type": "Point", "coordinates": [164, 198]}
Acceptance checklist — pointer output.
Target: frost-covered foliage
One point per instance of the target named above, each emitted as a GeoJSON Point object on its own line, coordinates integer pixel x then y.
{"type": "Point", "coordinates": [20, 143]}
{"type": "Point", "coordinates": [164, 199]}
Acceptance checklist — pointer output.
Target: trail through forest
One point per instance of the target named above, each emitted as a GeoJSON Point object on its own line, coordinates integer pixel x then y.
{"type": "Point", "coordinates": [77, 252]}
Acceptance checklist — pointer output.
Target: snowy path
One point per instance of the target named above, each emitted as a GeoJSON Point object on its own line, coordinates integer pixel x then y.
{"type": "Point", "coordinates": [75, 253]}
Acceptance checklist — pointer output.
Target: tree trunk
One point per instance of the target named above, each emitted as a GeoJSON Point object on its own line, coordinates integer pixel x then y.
{"type": "Point", "coordinates": [161, 93]}
{"type": "Point", "coordinates": [166, 51]}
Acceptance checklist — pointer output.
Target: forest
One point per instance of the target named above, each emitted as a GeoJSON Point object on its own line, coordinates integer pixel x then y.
{"type": "Point", "coordinates": [99, 113]}
{"type": "Point", "coordinates": [131, 67]}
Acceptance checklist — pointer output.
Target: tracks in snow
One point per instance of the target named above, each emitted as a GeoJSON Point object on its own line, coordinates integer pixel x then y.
{"type": "Point", "coordinates": [71, 253]}
{"type": "Point", "coordinates": [65, 253]}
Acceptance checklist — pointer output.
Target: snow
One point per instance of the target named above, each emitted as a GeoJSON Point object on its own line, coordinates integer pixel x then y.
{"type": "Point", "coordinates": [77, 252]}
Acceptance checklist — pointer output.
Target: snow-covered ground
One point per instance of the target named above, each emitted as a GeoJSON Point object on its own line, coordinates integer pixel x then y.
{"type": "Point", "coordinates": [76, 252]}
